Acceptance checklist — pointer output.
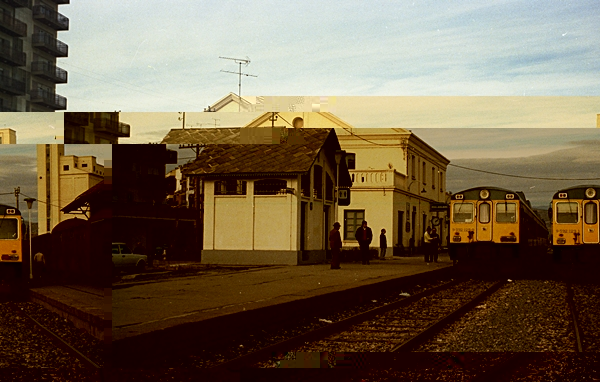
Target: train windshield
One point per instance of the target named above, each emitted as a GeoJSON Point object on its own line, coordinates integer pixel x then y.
{"type": "Point", "coordinates": [567, 212]}
{"type": "Point", "coordinates": [462, 213]}
{"type": "Point", "coordinates": [9, 229]}
{"type": "Point", "coordinates": [590, 213]}
{"type": "Point", "coordinates": [506, 212]}
{"type": "Point", "coordinates": [484, 213]}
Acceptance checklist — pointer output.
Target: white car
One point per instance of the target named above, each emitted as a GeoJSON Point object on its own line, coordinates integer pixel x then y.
{"type": "Point", "coordinates": [122, 257]}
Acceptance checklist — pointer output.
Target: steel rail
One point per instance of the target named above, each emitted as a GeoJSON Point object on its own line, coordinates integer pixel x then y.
{"type": "Point", "coordinates": [434, 328]}
{"type": "Point", "coordinates": [62, 344]}
{"type": "Point", "coordinates": [574, 319]}
{"type": "Point", "coordinates": [325, 331]}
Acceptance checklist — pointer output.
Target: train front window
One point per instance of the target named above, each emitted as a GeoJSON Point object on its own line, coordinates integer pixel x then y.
{"type": "Point", "coordinates": [506, 212]}
{"type": "Point", "coordinates": [9, 229]}
{"type": "Point", "coordinates": [590, 213]}
{"type": "Point", "coordinates": [462, 213]}
{"type": "Point", "coordinates": [567, 212]}
{"type": "Point", "coordinates": [484, 213]}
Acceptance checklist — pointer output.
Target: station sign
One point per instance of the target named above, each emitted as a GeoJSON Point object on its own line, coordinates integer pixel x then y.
{"type": "Point", "coordinates": [438, 207]}
{"type": "Point", "coordinates": [343, 196]}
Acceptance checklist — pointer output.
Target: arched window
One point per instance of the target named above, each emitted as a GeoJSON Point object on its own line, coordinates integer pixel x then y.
{"type": "Point", "coordinates": [230, 187]}
{"type": "Point", "coordinates": [269, 186]}
{"type": "Point", "coordinates": [328, 187]}
{"type": "Point", "coordinates": [305, 185]}
{"type": "Point", "coordinates": [318, 182]}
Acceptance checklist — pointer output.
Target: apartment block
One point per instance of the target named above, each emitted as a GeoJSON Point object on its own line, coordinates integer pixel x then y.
{"type": "Point", "coordinates": [102, 127]}
{"type": "Point", "coordinates": [29, 49]}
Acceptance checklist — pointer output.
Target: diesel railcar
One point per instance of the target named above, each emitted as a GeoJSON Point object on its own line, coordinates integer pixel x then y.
{"type": "Point", "coordinates": [11, 242]}
{"type": "Point", "coordinates": [575, 226]}
{"type": "Point", "coordinates": [494, 222]}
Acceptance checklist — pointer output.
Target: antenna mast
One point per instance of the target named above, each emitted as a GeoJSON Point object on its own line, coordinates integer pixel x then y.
{"type": "Point", "coordinates": [239, 61]}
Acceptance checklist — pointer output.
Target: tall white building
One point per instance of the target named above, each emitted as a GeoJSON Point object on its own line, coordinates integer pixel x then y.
{"type": "Point", "coordinates": [60, 180]}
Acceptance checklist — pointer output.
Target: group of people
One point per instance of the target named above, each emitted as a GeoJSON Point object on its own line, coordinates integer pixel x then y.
{"type": "Point", "coordinates": [364, 236]}
{"type": "Point", "coordinates": [431, 243]}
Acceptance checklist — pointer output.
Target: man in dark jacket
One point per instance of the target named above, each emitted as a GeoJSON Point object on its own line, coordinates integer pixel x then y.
{"type": "Point", "coordinates": [335, 243]}
{"type": "Point", "coordinates": [364, 236]}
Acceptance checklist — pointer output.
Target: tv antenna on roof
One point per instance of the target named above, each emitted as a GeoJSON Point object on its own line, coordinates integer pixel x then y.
{"type": "Point", "coordinates": [239, 61]}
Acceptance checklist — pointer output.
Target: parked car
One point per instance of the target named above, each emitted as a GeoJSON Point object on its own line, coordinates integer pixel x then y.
{"type": "Point", "coordinates": [123, 258]}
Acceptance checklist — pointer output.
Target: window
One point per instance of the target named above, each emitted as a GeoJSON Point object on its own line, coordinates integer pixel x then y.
{"type": "Point", "coordinates": [305, 185]}
{"type": "Point", "coordinates": [269, 186]}
{"type": "Point", "coordinates": [328, 187]}
{"type": "Point", "coordinates": [9, 229]}
{"type": "Point", "coordinates": [318, 185]}
{"type": "Point", "coordinates": [424, 174]}
{"type": "Point", "coordinates": [590, 213]}
{"type": "Point", "coordinates": [413, 170]}
{"type": "Point", "coordinates": [441, 181]}
{"type": "Point", "coordinates": [433, 177]}
{"type": "Point", "coordinates": [230, 187]}
{"type": "Point", "coordinates": [567, 212]}
{"type": "Point", "coordinates": [352, 220]}
{"type": "Point", "coordinates": [84, 165]}
{"type": "Point", "coordinates": [506, 212]}
{"type": "Point", "coordinates": [484, 213]}
{"type": "Point", "coordinates": [462, 213]}
{"type": "Point", "coordinates": [66, 167]}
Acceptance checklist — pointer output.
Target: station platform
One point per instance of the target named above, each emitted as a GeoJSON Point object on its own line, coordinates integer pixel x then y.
{"type": "Point", "coordinates": [167, 312]}
{"type": "Point", "coordinates": [87, 307]}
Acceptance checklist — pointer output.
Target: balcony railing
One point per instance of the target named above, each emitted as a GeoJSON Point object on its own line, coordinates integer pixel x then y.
{"type": "Point", "coordinates": [11, 55]}
{"type": "Point", "coordinates": [79, 119]}
{"type": "Point", "coordinates": [50, 45]}
{"type": "Point", "coordinates": [49, 71]}
{"type": "Point", "coordinates": [48, 99]}
{"type": "Point", "coordinates": [111, 126]}
{"type": "Point", "coordinates": [11, 25]}
{"type": "Point", "coordinates": [50, 17]}
{"type": "Point", "coordinates": [61, 1]}
{"type": "Point", "coordinates": [17, 3]}
{"type": "Point", "coordinates": [11, 85]}
{"type": "Point", "coordinates": [4, 109]}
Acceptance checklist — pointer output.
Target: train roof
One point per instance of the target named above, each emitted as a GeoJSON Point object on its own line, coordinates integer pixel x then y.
{"type": "Point", "coordinates": [496, 193]}
{"type": "Point", "coordinates": [4, 209]}
{"type": "Point", "coordinates": [578, 192]}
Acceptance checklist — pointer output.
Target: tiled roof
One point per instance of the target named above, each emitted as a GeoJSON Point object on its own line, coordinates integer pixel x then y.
{"type": "Point", "coordinates": [203, 135]}
{"type": "Point", "coordinates": [259, 158]}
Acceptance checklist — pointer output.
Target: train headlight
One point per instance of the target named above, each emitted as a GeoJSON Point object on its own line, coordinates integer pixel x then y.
{"type": "Point", "coordinates": [456, 237]}
{"type": "Point", "coordinates": [484, 194]}
{"type": "Point", "coordinates": [561, 240]}
{"type": "Point", "coordinates": [590, 192]}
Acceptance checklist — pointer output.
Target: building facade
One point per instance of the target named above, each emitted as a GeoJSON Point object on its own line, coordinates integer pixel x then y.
{"type": "Point", "coordinates": [8, 136]}
{"type": "Point", "coordinates": [29, 49]}
{"type": "Point", "coordinates": [397, 179]}
{"type": "Point", "coordinates": [100, 127]}
{"type": "Point", "coordinates": [60, 180]}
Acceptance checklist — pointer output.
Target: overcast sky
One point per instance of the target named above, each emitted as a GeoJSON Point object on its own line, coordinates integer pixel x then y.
{"type": "Point", "coordinates": [143, 55]}
{"type": "Point", "coordinates": [35, 127]}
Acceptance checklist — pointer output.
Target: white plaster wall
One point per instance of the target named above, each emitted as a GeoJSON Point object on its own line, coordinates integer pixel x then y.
{"type": "Point", "coordinates": [273, 222]}
{"type": "Point", "coordinates": [233, 228]}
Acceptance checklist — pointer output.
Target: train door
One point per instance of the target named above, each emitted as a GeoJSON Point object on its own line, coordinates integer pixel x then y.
{"type": "Point", "coordinates": [590, 222]}
{"type": "Point", "coordinates": [484, 221]}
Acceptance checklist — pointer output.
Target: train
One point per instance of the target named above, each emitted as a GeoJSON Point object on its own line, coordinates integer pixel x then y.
{"type": "Point", "coordinates": [492, 222]}
{"type": "Point", "coordinates": [12, 234]}
{"type": "Point", "coordinates": [575, 225]}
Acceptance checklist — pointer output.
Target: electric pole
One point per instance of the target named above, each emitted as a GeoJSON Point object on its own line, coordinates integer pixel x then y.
{"type": "Point", "coordinates": [17, 192]}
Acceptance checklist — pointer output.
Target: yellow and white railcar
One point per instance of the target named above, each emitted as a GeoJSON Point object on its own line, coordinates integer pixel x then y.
{"type": "Point", "coordinates": [11, 241]}
{"type": "Point", "coordinates": [491, 220]}
{"type": "Point", "coordinates": [575, 224]}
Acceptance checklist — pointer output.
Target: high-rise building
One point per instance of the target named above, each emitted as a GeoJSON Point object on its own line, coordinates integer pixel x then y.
{"type": "Point", "coordinates": [60, 180]}
{"type": "Point", "coordinates": [103, 127]}
{"type": "Point", "coordinates": [28, 51]}
{"type": "Point", "coordinates": [8, 136]}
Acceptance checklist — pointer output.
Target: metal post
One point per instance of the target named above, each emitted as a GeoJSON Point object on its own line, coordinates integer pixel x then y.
{"type": "Point", "coordinates": [29, 205]}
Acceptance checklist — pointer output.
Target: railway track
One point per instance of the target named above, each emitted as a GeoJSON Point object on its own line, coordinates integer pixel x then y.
{"type": "Point", "coordinates": [399, 326]}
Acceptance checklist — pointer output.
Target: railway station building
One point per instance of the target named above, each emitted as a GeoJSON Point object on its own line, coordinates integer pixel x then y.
{"type": "Point", "coordinates": [265, 198]}
{"type": "Point", "coordinates": [398, 180]}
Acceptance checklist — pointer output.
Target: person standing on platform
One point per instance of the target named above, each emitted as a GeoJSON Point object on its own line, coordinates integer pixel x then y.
{"type": "Point", "coordinates": [382, 244]}
{"type": "Point", "coordinates": [427, 245]}
{"type": "Point", "coordinates": [335, 243]}
{"type": "Point", "coordinates": [435, 244]}
{"type": "Point", "coordinates": [364, 236]}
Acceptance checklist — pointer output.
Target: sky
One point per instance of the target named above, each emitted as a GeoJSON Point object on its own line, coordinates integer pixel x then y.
{"type": "Point", "coordinates": [150, 55]}
{"type": "Point", "coordinates": [32, 128]}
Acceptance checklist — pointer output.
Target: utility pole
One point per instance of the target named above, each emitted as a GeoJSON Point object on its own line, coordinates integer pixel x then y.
{"type": "Point", "coordinates": [17, 192]}
{"type": "Point", "coordinates": [182, 119]}
{"type": "Point", "coordinates": [239, 61]}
